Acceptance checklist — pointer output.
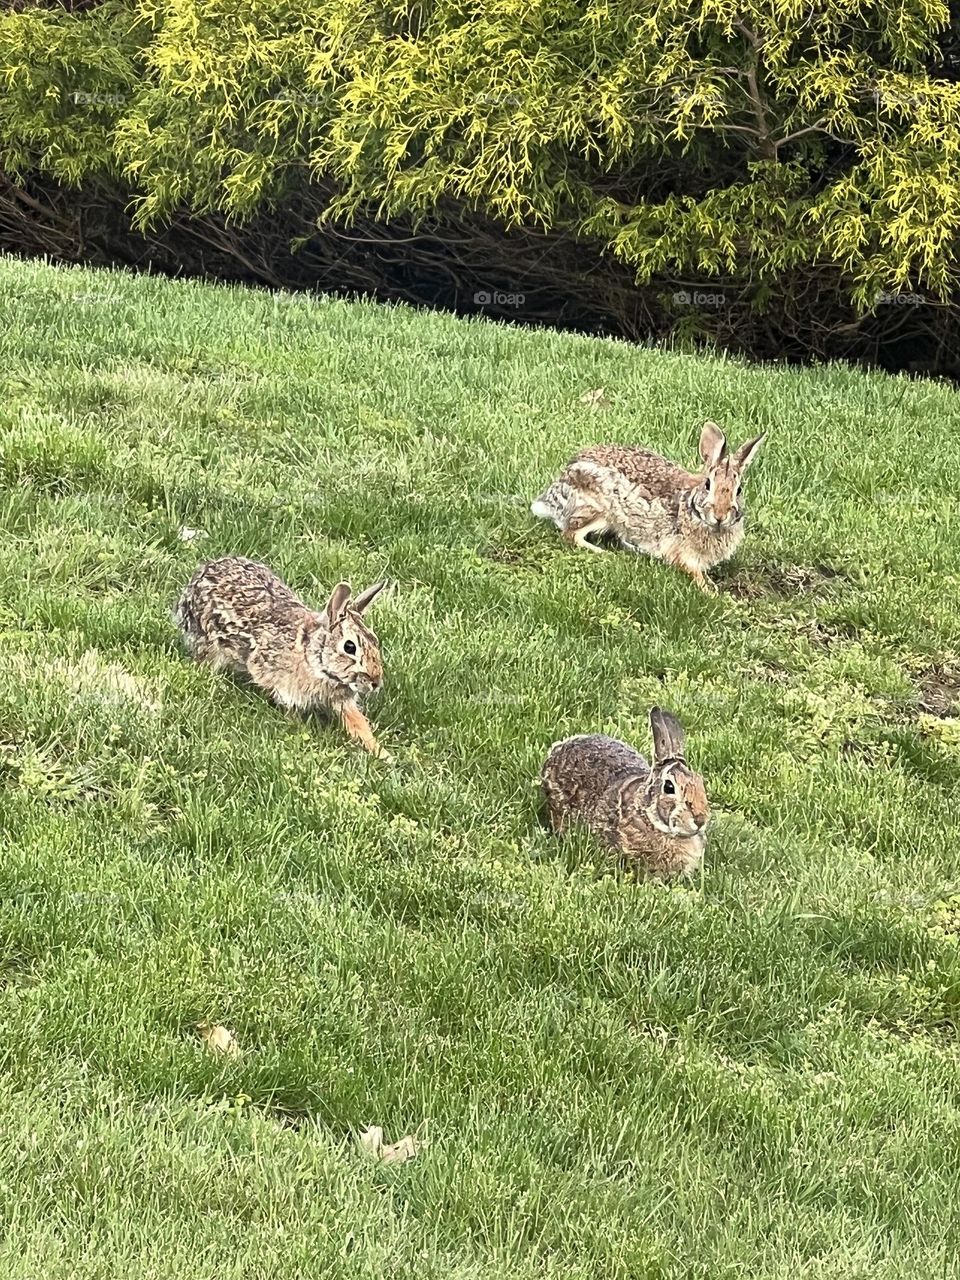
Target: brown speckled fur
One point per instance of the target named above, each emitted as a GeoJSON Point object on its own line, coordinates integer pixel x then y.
{"type": "Point", "coordinates": [653, 506]}
{"type": "Point", "coordinates": [610, 788]}
{"type": "Point", "coordinates": [236, 614]}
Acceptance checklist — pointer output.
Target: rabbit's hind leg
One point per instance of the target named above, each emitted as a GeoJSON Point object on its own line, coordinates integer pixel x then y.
{"type": "Point", "coordinates": [577, 531]}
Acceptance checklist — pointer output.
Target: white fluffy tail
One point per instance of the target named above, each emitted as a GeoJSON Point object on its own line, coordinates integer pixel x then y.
{"type": "Point", "coordinates": [553, 504]}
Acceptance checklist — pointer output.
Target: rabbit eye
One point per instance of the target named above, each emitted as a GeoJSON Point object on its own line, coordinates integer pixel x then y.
{"type": "Point", "coordinates": [706, 484]}
{"type": "Point", "coordinates": [349, 647]}
{"type": "Point", "coordinates": [668, 788]}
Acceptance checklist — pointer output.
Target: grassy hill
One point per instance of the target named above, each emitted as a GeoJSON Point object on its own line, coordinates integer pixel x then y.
{"type": "Point", "coordinates": [754, 1076]}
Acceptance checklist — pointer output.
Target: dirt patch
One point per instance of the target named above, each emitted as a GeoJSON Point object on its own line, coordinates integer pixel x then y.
{"type": "Point", "coordinates": [780, 580]}
{"type": "Point", "coordinates": [512, 557]}
{"type": "Point", "coordinates": [502, 555]}
{"type": "Point", "coordinates": [827, 635]}
{"type": "Point", "coordinates": [19, 970]}
{"type": "Point", "coordinates": [939, 691]}
{"type": "Point", "coordinates": [290, 1118]}
{"type": "Point", "coordinates": [771, 672]}
{"type": "Point", "coordinates": [868, 753]}
{"type": "Point", "coordinates": [919, 754]}
{"type": "Point", "coordinates": [940, 1032]}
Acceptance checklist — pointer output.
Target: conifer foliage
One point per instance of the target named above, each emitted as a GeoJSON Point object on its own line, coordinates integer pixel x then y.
{"type": "Point", "coordinates": [744, 146]}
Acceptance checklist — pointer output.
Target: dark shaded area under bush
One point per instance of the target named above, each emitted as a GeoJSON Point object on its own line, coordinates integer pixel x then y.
{"type": "Point", "coordinates": [470, 266]}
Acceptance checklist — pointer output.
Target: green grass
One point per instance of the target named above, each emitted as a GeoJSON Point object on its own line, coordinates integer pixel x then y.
{"type": "Point", "coordinates": [754, 1076]}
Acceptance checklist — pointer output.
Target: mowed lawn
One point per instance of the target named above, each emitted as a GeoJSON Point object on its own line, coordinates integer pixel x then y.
{"type": "Point", "coordinates": [754, 1075]}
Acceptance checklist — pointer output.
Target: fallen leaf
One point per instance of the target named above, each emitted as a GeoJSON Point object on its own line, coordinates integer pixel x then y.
{"type": "Point", "coordinates": [596, 398]}
{"type": "Point", "coordinates": [187, 534]}
{"type": "Point", "coordinates": [371, 1141]}
{"type": "Point", "coordinates": [219, 1039]}
{"type": "Point", "coordinates": [403, 1150]}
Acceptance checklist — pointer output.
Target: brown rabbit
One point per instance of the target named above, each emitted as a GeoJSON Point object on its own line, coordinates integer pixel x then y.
{"type": "Point", "coordinates": [654, 506]}
{"type": "Point", "coordinates": [236, 614]}
{"type": "Point", "coordinates": [654, 816]}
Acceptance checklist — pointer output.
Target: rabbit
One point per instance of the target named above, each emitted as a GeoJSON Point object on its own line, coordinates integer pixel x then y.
{"type": "Point", "coordinates": [654, 506]}
{"type": "Point", "coordinates": [236, 614]}
{"type": "Point", "coordinates": [655, 816]}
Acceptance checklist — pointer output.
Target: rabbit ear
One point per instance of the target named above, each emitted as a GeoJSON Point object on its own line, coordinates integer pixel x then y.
{"type": "Point", "coordinates": [366, 598]}
{"type": "Point", "coordinates": [747, 452]}
{"type": "Point", "coordinates": [713, 444]}
{"type": "Point", "coordinates": [337, 604]}
{"type": "Point", "coordinates": [668, 736]}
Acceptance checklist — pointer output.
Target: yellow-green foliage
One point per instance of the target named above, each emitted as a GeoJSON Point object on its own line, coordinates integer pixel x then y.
{"type": "Point", "coordinates": [717, 137]}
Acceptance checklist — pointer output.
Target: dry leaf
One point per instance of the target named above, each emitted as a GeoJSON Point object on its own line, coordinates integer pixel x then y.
{"type": "Point", "coordinates": [187, 534]}
{"type": "Point", "coordinates": [596, 399]}
{"type": "Point", "coordinates": [371, 1141]}
{"type": "Point", "coordinates": [219, 1039]}
{"type": "Point", "coordinates": [403, 1150]}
